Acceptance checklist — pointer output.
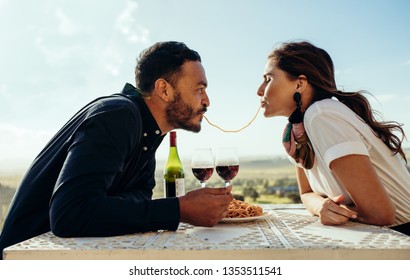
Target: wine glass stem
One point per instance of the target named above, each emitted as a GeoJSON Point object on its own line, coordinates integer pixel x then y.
{"type": "Point", "coordinates": [203, 184]}
{"type": "Point", "coordinates": [227, 184]}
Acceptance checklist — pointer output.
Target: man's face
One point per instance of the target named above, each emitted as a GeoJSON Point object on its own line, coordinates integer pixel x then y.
{"type": "Point", "coordinates": [190, 99]}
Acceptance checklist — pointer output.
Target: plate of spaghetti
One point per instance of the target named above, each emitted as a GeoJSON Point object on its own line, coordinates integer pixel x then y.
{"type": "Point", "coordinates": [240, 211]}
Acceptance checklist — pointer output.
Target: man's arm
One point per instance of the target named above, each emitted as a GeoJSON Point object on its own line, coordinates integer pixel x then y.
{"type": "Point", "coordinates": [81, 204]}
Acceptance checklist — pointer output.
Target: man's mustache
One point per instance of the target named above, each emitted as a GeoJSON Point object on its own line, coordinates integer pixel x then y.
{"type": "Point", "coordinates": [203, 110]}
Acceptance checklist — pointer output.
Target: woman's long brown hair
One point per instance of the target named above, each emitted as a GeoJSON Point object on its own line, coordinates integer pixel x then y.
{"type": "Point", "coordinates": [303, 58]}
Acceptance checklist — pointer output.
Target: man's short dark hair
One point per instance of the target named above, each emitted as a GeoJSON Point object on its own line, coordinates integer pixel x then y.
{"type": "Point", "coordinates": [162, 60]}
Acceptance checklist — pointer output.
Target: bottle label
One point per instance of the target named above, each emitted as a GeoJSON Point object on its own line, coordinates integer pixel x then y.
{"type": "Point", "coordinates": [180, 186]}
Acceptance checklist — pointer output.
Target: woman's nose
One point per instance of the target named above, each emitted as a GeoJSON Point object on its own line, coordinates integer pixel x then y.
{"type": "Point", "coordinates": [261, 90]}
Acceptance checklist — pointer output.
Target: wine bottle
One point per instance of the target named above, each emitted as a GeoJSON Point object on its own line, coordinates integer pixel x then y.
{"type": "Point", "coordinates": [174, 179]}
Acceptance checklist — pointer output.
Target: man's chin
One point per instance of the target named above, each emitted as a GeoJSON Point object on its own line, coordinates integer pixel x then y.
{"type": "Point", "coordinates": [196, 129]}
{"type": "Point", "coordinates": [191, 127]}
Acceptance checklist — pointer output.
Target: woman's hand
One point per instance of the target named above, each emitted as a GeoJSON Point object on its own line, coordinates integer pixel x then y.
{"type": "Point", "coordinates": [333, 212]}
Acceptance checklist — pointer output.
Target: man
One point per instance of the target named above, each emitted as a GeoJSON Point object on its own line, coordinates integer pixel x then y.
{"type": "Point", "coordinates": [95, 177]}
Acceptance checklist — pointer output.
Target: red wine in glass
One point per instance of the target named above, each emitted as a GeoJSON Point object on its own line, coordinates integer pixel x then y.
{"type": "Point", "coordinates": [227, 164]}
{"type": "Point", "coordinates": [203, 174]}
{"type": "Point", "coordinates": [202, 164]}
{"type": "Point", "coordinates": [227, 172]}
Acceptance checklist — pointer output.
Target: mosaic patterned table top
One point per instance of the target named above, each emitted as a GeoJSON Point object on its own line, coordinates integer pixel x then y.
{"type": "Point", "coordinates": [287, 228]}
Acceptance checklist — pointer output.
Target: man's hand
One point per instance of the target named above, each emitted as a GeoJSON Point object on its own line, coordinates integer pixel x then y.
{"type": "Point", "coordinates": [333, 212]}
{"type": "Point", "coordinates": [205, 206]}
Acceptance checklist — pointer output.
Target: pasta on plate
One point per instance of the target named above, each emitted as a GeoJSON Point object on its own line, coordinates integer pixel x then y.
{"type": "Point", "coordinates": [241, 209]}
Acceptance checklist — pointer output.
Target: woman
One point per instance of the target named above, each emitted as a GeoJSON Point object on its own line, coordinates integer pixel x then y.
{"type": "Point", "coordinates": [349, 166]}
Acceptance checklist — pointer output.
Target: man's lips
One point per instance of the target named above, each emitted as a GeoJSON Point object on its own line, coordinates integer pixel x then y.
{"type": "Point", "coordinates": [201, 114]}
{"type": "Point", "coordinates": [202, 111]}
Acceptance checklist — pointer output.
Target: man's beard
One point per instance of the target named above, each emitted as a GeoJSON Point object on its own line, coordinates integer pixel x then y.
{"type": "Point", "coordinates": [181, 115]}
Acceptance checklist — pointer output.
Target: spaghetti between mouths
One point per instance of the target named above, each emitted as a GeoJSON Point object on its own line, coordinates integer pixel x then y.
{"type": "Point", "coordinates": [236, 130]}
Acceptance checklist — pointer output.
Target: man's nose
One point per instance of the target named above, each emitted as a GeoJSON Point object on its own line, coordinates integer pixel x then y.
{"type": "Point", "coordinates": [205, 101]}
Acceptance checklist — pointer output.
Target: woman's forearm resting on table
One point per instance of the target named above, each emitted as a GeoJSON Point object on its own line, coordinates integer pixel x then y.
{"type": "Point", "coordinates": [332, 211]}
{"type": "Point", "coordinates": [329, 210]}
{"type": "Point", "coordinates": [356, 175]}
{"type": "Point", "coordinates": [371, 201]}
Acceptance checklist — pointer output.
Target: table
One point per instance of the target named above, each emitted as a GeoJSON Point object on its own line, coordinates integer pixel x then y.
{"type": "Point", "coordinates": [289, 232]}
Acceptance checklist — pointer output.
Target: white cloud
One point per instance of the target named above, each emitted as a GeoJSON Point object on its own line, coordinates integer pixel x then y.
{"type": "Point", "coordinates": [21, 142]}
{"type": "Point", "coordinates": [19, 146]}
{"type": "Point", "coordinates": [125, 19]}
{"type": "Point", "coordinates": [66, 26]}
{"type": "Point", "coordinates": [3, 3]}
{"type": "Point", "coordinates": [337, 72]}
{"type": "Point", "coordinates": [126, 23]}
{"type": "Point", "coordinates": [112, 60]}
{"type": "Point", "coordinates": [140, 37]}
{"type": "Point", "coordinates": [60, 55]}
{"type": "Point", "coordinates": [3, 88]}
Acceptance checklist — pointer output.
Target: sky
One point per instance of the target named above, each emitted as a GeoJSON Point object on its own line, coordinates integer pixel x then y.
{"type": "Point", "coordinates": [56, 56]}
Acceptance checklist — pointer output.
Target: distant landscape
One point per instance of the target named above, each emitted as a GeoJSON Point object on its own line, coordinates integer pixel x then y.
{"type": "Point", "coordinates": [268, 180]}
{"type": "Point", "coordinates": [260, 180]}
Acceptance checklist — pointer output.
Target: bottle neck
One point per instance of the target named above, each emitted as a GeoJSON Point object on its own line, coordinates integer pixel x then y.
{"type": "Point", "coordinates": [173, 158]}
{"type": "Point", "coordinates": [173, 151]}
{"type": "Point", "coordinates": [173, 139]}
{"type": "Point", "coordinates": [173, 142]}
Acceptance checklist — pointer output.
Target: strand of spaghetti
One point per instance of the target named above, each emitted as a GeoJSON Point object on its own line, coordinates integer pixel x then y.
{"type": "Point", "coordinates": [237, 130]}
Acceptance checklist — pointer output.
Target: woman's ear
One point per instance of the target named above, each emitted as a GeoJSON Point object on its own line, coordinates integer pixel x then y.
{"type": "Point", "coordinates": [163, 89]}
{"type": "Point", "coordinates": [301, 83]}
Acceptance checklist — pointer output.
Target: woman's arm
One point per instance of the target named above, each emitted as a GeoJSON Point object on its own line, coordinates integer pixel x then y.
{"type": "Point", "coordinates": [357, 175]}
{"type": "Point", "coordinates": [329, 210]}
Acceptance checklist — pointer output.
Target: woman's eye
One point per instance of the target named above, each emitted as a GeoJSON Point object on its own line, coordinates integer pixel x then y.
{"type": "Point", "coordinates": [267, 79]}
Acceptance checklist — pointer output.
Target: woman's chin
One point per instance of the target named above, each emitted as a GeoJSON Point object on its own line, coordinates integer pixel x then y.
{"type": "Point", "coordinates": [267, 114]}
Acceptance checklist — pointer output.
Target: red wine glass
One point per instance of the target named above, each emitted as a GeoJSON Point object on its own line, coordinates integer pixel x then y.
{"type": "Point", "coordinates": [227, 164]}
{"type": "Point", "coordinates": [202, 165]}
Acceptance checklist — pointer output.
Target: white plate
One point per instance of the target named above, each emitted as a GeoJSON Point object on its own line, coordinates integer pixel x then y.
{"type": "Point", "coordinates": [246, 219]}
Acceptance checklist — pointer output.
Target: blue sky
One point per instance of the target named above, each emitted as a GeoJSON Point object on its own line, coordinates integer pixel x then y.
{"type": "Point", "coordinates": [58, 55]}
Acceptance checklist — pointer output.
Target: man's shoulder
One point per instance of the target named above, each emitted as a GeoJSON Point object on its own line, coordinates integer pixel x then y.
{"type": "Point", "coordinates": [115, 102]}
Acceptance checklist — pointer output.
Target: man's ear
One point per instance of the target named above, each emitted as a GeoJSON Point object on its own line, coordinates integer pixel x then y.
{"type": "Point", "coordinates": [301, 83]}
{"type": "Point", "coordinates": [163, 89]}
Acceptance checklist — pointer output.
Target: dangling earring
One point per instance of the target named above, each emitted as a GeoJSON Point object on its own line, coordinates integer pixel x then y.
{"type": "Point", "coordinates": [297, 115]}
{"type": "Point", "coordinates": [295, 139]}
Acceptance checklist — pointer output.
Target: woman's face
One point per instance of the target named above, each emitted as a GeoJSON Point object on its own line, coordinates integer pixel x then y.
{"type": "Point", "coordinates": [276, 91]}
